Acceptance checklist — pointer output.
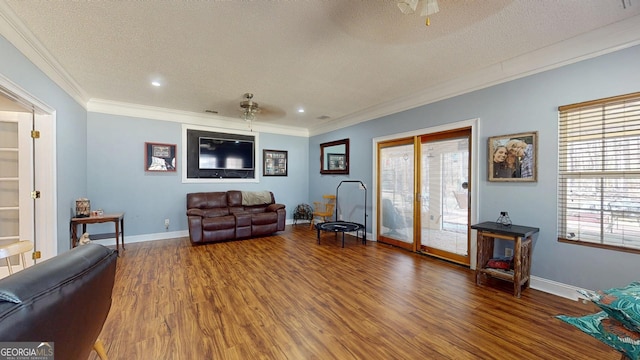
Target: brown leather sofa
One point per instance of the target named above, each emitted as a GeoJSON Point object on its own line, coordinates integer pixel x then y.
{"type": "Point", "coordinates": [229, 215]}
{"type": "Point", "coordinates": [62, 302]}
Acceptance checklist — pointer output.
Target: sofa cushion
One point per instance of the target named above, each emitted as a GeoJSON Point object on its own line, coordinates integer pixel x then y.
{"type": "Point", "coordinates": [242, 219]}
{"type": "Point", "coordinates": [254, 209]}
{"type": "Point", "coordinates": [234, 198]}
{"type": "Point", "coordinates": [215, 212]}
{"type": "Point", "coordinates": [219, 223]}
{"type": "Point", "coordinates": [207, 200]}
{"type": "Point", "coordinates": [264, 218]}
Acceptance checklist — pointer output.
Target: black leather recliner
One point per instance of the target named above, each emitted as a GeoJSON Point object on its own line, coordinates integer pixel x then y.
{"type": "Point", "coordinates": [64, 300]}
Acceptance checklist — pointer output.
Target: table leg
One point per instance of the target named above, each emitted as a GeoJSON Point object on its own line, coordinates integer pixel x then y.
{"type": "Point", "coordinates": [479, 257]}
{"type": "Point", "coordinates": [117, 236]}
{"type": "Point", "coordinates": [122, 231]}
{"type": "Point", "coordinates": [517, 267]}
{"type": "Point", "coordinates": [74, 235]}
{"type": "Point", "coordinates": [318, 229]}
{"type": "Point", "coordinates": [343, 239]}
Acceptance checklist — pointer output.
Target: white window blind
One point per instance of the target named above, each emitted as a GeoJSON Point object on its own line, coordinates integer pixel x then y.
{"type": "Point", "coordinates": [599, 173]}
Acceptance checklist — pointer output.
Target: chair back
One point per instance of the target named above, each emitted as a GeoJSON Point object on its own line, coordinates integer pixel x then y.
{"type": "Point", "coordinates": [330, 207]}
{"type": "Point", "coordinates": [18, 247]}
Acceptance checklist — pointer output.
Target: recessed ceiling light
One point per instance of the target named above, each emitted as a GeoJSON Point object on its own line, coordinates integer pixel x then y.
{"type": "Point", "coordinates": [156, 83]}
{"type": "Point", "coordinates": [300, 110]}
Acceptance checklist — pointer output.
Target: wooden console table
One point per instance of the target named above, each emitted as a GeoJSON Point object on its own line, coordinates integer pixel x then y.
{"type": "Point", "coordinates": [117, 218]}
{"type": "Point", "coordinates": [522, 238]}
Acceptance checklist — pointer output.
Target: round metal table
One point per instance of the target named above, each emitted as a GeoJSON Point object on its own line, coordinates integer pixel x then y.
{"type": "Point", "coordinates": [341, 226]}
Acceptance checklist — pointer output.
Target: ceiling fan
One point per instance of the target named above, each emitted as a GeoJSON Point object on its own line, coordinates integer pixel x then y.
{"type": "Point", "coordinates": [249, 107]}
{"type": "Point", "coordinates": [249, 110]}
{"type": "Point", "coordinates": [429, 7]}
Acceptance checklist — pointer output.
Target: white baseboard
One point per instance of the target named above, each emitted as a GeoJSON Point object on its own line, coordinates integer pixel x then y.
{"type": "Point", "coordinates": [146, 237]}
{"type": "Point", "coordinates": [556, 288]}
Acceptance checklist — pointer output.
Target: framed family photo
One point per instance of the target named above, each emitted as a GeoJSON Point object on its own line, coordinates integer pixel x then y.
{"type": "Point", "coordinates": [160, 157]}
{"type": "Point", "coordinates": [513, 157]}
{"type": "Point", "coordinates": [275, 162]}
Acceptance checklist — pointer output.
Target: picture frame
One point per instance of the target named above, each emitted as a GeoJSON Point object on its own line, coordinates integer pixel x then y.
{"type": "Point", "coordinates": [275, 162]}
{"type": "Point", "coordinates": [513, 157]}
{"type": "Point", "coordinates": [160, 157]}
{"type": "Point", "coordinates": [336, 161]}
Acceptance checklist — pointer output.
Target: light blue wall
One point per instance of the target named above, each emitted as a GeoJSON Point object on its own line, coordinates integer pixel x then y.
{"type": "Point", "coordinates": [110, 172]}
{"type": "Point", "coordinates": [527, 104]}
{"type": "Point", "coordinates": [117, 180]}
{"type": "Point", "coordinates": [71, 131]}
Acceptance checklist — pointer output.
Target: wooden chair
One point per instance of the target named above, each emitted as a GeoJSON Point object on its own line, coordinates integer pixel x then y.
{"type": "Point", "coordinates": [18, 247]}
{"type": "Point", "coordinates": [323, 210]}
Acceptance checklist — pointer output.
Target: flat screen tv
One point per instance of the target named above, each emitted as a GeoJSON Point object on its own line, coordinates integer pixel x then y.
{"type": "Point", "coordinates": [225, 154]}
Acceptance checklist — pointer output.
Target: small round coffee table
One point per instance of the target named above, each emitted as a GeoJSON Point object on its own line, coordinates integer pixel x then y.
{"type": "Point", "coordinates": [341, 226]}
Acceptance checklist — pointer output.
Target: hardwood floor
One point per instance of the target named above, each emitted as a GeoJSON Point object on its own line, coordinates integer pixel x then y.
{"type": "Point", "coordinates": [286, 297]}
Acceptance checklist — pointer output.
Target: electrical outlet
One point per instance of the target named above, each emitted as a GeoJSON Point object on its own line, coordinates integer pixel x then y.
{"type": "Point", "coordinates": [166, 223]}
{"type": "Point", "coordinates": [508, 252]}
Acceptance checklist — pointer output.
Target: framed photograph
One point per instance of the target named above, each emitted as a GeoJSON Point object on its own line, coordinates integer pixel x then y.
{"type": "Point", "coordinates": [159, 157]}
{"type": "Point", "coordinates": [275, 162]}
{"type": "Point", "coordinates": [513, 157]}
{"type": "Point", "coordinates": [336, 162]}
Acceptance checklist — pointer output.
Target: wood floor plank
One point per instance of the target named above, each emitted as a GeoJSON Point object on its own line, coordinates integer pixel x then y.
{"type": "Point", "coordinates": [286, 297]}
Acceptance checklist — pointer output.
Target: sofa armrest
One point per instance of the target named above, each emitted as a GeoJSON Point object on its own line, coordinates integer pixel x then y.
{"type": "Point", "coordinates": [195, 212]}
{"type": "Point", "coordinates": [274, 207]}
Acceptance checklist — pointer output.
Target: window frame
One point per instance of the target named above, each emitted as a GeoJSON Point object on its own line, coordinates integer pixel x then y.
{"type": "Point", "coordinates": [593, 141]}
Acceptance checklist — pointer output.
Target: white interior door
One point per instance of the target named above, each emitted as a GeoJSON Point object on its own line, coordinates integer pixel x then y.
{"type": "Point", "coordinates": [16, 181]}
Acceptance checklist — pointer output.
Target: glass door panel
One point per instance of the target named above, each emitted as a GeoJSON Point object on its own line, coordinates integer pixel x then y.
{"type": "Point", "coordinates": [444, 195]}
{"type": "Point", "coordinates": [395, 194]}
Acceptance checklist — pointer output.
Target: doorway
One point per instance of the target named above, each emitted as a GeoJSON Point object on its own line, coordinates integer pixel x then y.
{"type": "Point", "coordinates": [28, 165]}
{"type": "Point", "coordinates": [423, 193]}
{"type": "Point", "coordinates": [16, 181]}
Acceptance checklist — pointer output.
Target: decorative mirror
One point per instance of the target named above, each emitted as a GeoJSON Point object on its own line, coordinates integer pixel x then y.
{"type": "Point", "coordinates": [334, 157]}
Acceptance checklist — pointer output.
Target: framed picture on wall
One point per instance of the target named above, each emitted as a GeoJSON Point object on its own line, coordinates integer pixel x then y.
{"type": "Point", "coordinates": [275, 163]}
{"type": "Point", "coordinates": [336, 162]}
{"type": "Point", "coordinates": [513, 157]}
{"type": "Point", "coordinates": [160, 157]}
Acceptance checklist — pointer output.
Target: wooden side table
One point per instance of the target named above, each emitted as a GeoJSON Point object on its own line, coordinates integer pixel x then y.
{"type": "Point", "coordinates": [522, 238]}
{"type": "Point", "coordinates": [117, 218]}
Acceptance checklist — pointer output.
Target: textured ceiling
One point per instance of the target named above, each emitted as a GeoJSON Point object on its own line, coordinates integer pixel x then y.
{"type": "Point", "coordinates": [336, 58]}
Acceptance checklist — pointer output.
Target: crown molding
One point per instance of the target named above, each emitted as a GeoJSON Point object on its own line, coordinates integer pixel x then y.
{"type": "Point", "coordinates": [608, 39]}
{"type": "Point", "coordinates": [23, 39]}
{"type": "Point", "coordinates": [188, 117]}
{"type": "Point", "coordinates": [614, 37]}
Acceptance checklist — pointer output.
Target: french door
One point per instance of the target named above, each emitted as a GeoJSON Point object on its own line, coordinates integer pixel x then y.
{"type": "Point", "coordinates": [444, 185]}
{"type": "Point", "coordinates": [396, 189]}
{"type": "Point", "coordinates": [423, 194]}
{"type": "Point", "coordinates": [16, 205]}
